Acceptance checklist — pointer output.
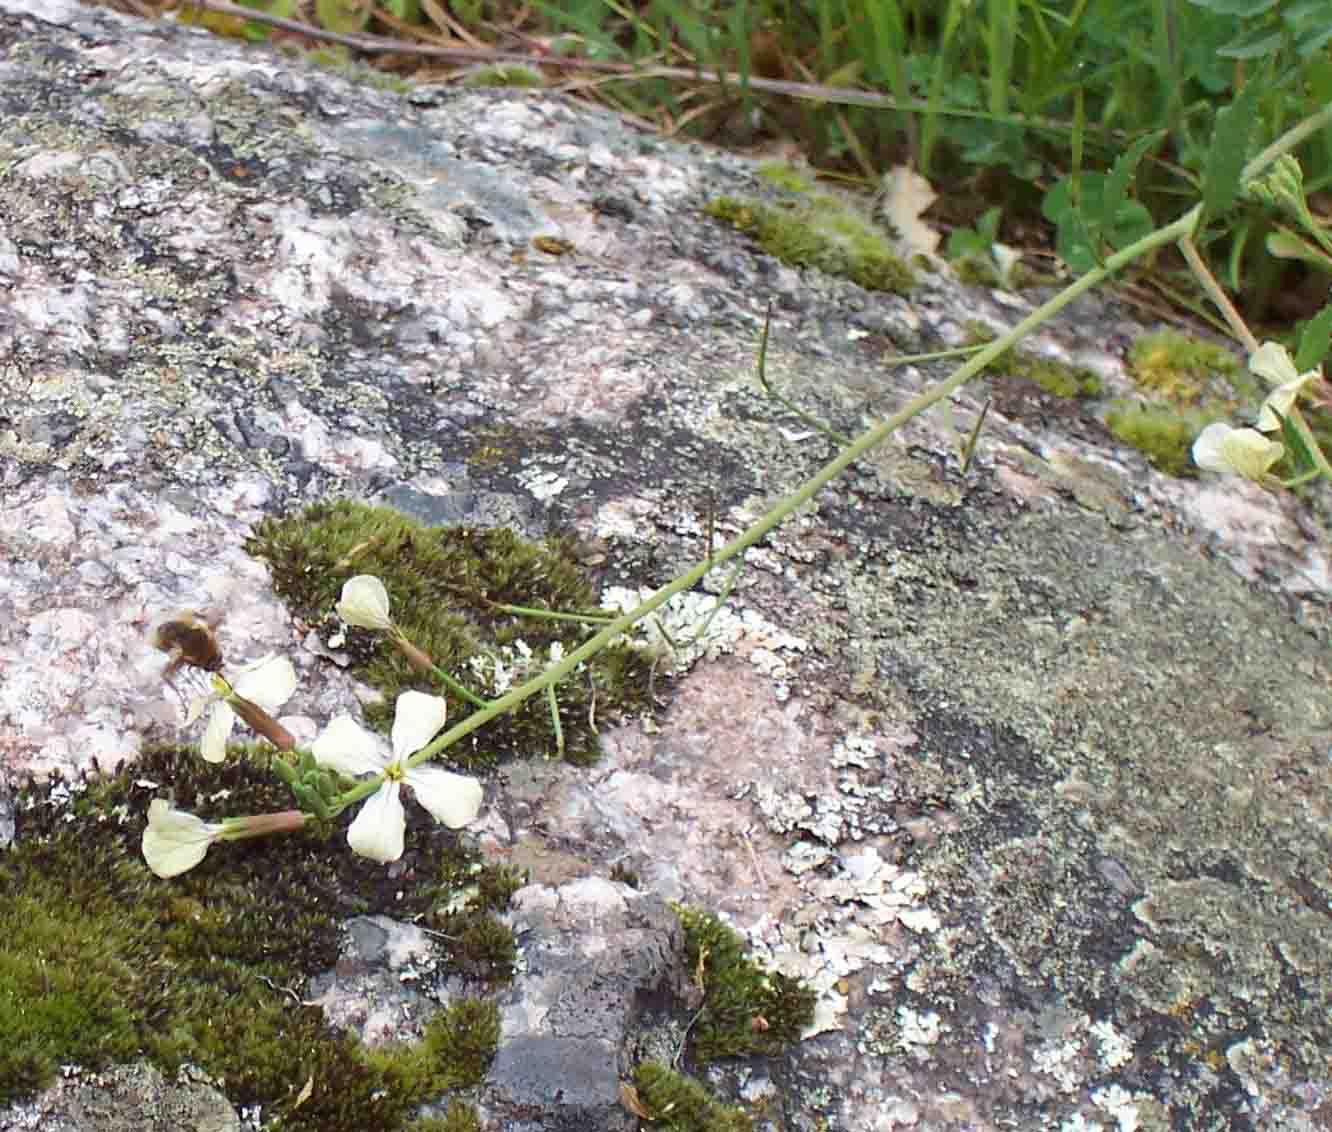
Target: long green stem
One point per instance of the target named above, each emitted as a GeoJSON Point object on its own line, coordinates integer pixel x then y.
{"type": "Point", "coordinates": [849, 455]}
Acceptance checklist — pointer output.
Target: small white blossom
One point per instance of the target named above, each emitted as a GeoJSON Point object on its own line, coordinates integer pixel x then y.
{"type": "Point", "coordinates": [268, 682]}
{"type": "Point", "coordinates": [174, 841]}
{"type": "Point", "coordinates": [1244, 451]}
{"type": "Point", "coordinates": [377, 831]}
{"type": "Point", "coordinates": [1273, 364]}
{"type": "Point", "coordinates": [365, 602]}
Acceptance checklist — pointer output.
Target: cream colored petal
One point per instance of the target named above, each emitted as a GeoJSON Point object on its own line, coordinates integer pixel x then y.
{"type": "Point", "coordinates": [1243, 451]}
{"type": "Point", "coordinates": [1280, 400]}
{"type": "Point", "coordinates": [347, 747]}
{"type": "Point", "coordinates": [1271, 361]}
{"type": "Point", "coordinates": [365, 602]}
{"type": "Point", "coordinates": [377, 831]}
{"type": "Point", "coordinates": [174, 841]}
{"type": "Point", "coordinates": [453, 799]}
{"type": "Point", "coordinates": [221, 720]}
{"type": "Point", "coordinates": [416, 720]}
{"type": "Point", "coordinates": [269, 683]}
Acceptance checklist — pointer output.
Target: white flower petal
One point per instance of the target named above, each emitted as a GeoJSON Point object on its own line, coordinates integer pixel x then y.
{"type": "Point", "coordinates": [453, 799]}
{"type": "Point", "coordinates": [1271, 361]}
{"type": "Point", "coordinates": [268, 682]}
{"type": "Point", "coordinates": [365, 602]}
{"type": "Point", "coordinates": [378, 829]}
{"type": "Point", "coordinates": [221, 720]}
{"type": "Point", "coordinates": [174, 841]}
{"type": "Point", "coordinates": [1243, 451]}
{"type": "Point", "coordinates": [347, 747]}
{"type": "Point", "coordinates": [1280, 400]}
{"type": "Point", "coordinates": [417, 719]}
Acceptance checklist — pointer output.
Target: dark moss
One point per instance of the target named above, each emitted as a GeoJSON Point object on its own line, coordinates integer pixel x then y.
{"type": "Point", "coordinates": [478, 946]}
{"type": "Point", "coordinates": [680, 1104]}
{"type": "Point", "coordinates": [462, 1039]}
{"type": "Point", "coordinates": [105, 963]}
{"type": "Point", "coordinates": [446, 586]}
{"type": "Point", "coordinates": [745, 1010]}
{"type": "Point", "coordinates": [460, 1117]}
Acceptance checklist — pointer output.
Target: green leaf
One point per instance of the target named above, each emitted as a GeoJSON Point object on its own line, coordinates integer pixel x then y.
{"type": "Point", "coordinates": [1235, 7]}
{"type": "Point", "coordinates": [1114, 193]}
{"type": "Point", "coordinates": [1253, 44]}
{"type": "Point", "coordinates": [1228, 152]}
{"type": "Point", "coordinates": [1315, 340]}
{"type": "Point", "coordinates": [345, 17]}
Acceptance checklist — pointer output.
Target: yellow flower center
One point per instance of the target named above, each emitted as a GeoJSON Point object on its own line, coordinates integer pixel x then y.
{"type": "Point", "coordinates": [393, 772]}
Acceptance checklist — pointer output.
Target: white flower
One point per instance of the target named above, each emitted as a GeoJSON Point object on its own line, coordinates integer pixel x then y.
{"type": "Point", "coordinates": [377, 831]}
{"type": "Point", "coordinates": [268, 682]}
{"type": "Point", "coordinates": [1245, 451]}
{"type": "Point", "coordinates": [1272, 363]}
{"type": "Point", "coordinates": [365, 602]}
{"type": "Point", "coordinates": [175, 841]}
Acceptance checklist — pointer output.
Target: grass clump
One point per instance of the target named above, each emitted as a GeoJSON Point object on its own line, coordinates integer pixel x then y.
{"type": "Point", "coordinates": [746, 1010]}
{"type": "Point", "coordinates": [447, 586]}
{"type": "Point", "coordinates": [822, 233]}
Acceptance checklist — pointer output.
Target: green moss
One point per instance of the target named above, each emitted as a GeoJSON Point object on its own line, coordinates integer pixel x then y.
{"type": "Point", "coordinates": [446, 585]}
{"type": "Point", "coordinates": [680, 1104]}
{"type": "Point", "coordinates": [785, 177]}
{"type": "Point", "coordinates": [105, 963]}
{"type": "Point", "coordinates": [821, 232]}
{"type": "Point", "coordinates": [511, 75]}
{"type": "Point", "coordinates": [1165, 436]}
{"type": "Point", "coordinates": [1055, 378]}
{"type": "Point", "coordinates": [746, 1010]}
{"type": "Point", "coordinates": [460, 1117]}
{"type": "Point", "coordinates": [463, 1039]}
{"type": "Point", "coordinates": [1184, 371]}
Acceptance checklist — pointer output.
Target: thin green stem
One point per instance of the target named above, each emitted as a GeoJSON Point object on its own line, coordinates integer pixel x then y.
{"type": "Point", "coordinates": [849, 455]}
{"type": "Point", "coordinates": [552, 615]}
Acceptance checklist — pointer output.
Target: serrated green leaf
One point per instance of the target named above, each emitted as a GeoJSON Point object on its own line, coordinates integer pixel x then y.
{"type": "Point", "coordinates": [1228, 152]}
{"type": "Point", "coordinates": [1114, 192]}
{"type": "Point", "coordinates": [1315, 340]}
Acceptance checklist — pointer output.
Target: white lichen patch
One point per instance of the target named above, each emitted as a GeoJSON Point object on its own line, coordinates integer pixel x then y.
{"type": "Point", "coordinates": [508, 666]}
{"type": "Point", "coordinates": [693, 625]}
{"type": "Point", "coordinates": [542, 483]}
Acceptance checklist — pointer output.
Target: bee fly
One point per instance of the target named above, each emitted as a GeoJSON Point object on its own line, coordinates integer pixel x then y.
{"type": "Point", "coordinates": [190, 639]}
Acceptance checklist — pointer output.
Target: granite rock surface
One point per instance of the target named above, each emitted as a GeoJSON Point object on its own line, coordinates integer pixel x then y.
{"type": "Point", "coordinates": [1028, 772]}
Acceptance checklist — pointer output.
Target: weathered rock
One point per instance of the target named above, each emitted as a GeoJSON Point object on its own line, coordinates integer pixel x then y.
{"type": "Point", "coordinates": [1029, 773]}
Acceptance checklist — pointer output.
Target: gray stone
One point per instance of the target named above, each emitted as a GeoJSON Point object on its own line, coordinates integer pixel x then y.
{"type": "Point", "coordinates": [1053, 739]}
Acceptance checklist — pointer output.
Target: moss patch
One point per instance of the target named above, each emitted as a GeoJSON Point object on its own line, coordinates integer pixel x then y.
{"type": "Point", "coordinates": [820, 232]}
{"type": "Point", "coordinates": [680, 1104]}
{"type": "Point", "coordinates": [1165, 436]}
{"type": "Point", "coordinates": [1057, 379]}
{"type": "Point", "coordinates": [512, 75]}
{"type": "Point", "coordinates": [746, 1010]}
{"type": "Point", "coordinates": [446, 586]}
{"type": "Point", "coordinates": [785, 177]}
{"type": "Point", "coordinates": [105, 963]}
{"type": "Point", "coordinates": [1183, 371]}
